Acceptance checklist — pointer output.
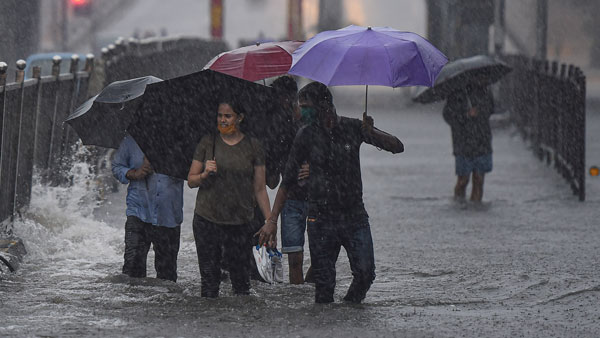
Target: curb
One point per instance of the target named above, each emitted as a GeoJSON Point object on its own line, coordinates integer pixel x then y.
{"type": "Point", "coordinates": [12, 251]}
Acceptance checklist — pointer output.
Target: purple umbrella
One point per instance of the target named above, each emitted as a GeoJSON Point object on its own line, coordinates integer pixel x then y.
{"type": "Point", "coordinates": [368, 56]}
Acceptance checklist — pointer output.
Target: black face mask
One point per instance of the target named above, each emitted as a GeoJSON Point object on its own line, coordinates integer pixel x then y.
{"type": "Point", "coordinates": [309, 115]}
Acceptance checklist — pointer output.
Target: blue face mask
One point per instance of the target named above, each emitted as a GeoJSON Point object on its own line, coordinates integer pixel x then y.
{"type": "Point", "coordinates": [309, 115]}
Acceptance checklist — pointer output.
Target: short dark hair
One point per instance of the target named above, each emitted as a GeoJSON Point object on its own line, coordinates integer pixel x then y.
{"type": "Point", "coordinates": [317, 93]}
{"type": "Point", "coordinates": [285, 84]}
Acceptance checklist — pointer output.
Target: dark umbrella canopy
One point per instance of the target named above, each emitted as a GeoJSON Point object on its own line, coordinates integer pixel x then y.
{"type": "Point", "coordinates": [176, 113]}
{"type": "Point", "coordinates": [481, 70]}
{"type": "Point", "coordinates": [103, 119]}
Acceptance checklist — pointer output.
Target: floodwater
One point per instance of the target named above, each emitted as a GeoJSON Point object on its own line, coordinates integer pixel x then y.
{"type": "Point", "coordinates": [522, 263]}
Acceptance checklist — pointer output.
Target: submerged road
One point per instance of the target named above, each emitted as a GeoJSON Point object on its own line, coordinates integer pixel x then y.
{"type": "Point", "coordinates": [522, 263]}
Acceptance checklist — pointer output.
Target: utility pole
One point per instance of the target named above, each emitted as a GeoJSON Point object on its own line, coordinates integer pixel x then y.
{"type": "Point", "coordinates": [294, 19]}
{"type": "Point", "coordinates": [216, 19]}
{"type": "Point", "coordinates": [64, 25]}
{"type": "Point", "coordinates": [330, 17]}
{"type": "Point", "coordinates": [541, 29]}
{"type": "Point", "coordinates": [499, 27]}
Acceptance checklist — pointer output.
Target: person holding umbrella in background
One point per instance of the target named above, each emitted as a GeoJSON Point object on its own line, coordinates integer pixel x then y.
{"type": "Point", "coordinates": [336, 212]}
{"type": "Point", "coordinates": [154, 213]}
{"type": "Point", "coordinates": [468, 111]}
{"type": "Point", "coordinates": [464, 84]}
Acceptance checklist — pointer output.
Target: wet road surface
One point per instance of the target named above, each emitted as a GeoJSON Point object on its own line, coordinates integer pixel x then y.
{"type": "Point", "coordinates": [522, 263]}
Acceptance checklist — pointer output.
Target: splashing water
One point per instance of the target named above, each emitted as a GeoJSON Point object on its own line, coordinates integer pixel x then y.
{"type": "Point", "coordinates": [59, 222]}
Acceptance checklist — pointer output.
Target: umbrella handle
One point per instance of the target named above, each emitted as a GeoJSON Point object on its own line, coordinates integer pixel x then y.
{"type": "Point", "coordinates": [212, 173]}
{"type": "Point", "coordinates": [366, 96]}
{"type": "Point", "coordinates": [213, 145]}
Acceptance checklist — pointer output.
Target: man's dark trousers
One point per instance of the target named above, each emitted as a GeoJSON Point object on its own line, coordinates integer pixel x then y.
{"type": "Point", "coordinates": [138, 237]}
{"type": "Point", "coordinates": [325, 238]}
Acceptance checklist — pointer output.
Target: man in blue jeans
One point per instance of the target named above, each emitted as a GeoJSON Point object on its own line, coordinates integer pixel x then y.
{"type": "Point", "coordinates": [293, 216]}
{"type": "Point", "coordinates": [336, 212]}
{"type": "Point", "coordinates": [154, 213]}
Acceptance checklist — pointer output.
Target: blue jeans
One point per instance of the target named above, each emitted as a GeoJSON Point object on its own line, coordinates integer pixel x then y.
{"type": "Point", "coordinates": [293, 226]}
{"type": "Point", "coordinates": [464, 166]}
{"type": "Point", "coordinates": [325, 237]}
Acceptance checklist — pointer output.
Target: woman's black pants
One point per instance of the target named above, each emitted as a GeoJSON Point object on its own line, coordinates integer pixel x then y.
{"type": "Point", "coordinates": [215, 242]}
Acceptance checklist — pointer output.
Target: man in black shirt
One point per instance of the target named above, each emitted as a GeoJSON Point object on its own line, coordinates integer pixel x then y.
{"type": "Point", "coordinates": [336, 213]}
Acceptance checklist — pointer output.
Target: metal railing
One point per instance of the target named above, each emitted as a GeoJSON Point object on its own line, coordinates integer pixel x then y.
{"type": "Point", "coordinates": [32, 111]}
{"type": "Point", "coordinates": [164, 58]}
{"type": "Point", "coordinates": [32, 132]}
{"type": "Point", "coordinates": [546, 101]}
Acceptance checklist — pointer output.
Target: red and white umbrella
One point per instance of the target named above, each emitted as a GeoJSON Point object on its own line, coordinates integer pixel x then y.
{"type": "Point", "coordinates": [256, 62]}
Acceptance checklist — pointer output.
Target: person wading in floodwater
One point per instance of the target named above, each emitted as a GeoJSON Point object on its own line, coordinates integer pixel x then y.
{"type": "Point", "coordinates": [154, 213]}
{"type": "Point", "coordinates": [468, 111]}
{"type": "Point", "coordinates": [336, 212]}
{"type": "Point", "coordinates": [229, 171]}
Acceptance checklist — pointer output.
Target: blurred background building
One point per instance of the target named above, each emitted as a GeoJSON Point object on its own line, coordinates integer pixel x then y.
{"type": "Point", "coordinates": [554, 29]}
{"type": "Point", "coordinates": [546, 29]}
{"type": "Point", "coordinates": [19, 29]}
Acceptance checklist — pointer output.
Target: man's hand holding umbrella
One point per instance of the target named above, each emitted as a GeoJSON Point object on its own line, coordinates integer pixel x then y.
{"type": "Point", "coordinates": [141, 172]}
{"type": "Point", "coordinates": [378, 138]}
{"type": "Point", "coordinates": [367, 124]}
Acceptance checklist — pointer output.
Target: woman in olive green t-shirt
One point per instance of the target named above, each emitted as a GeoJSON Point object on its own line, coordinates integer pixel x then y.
{"type": "Point", "coordinates": [229, 171]}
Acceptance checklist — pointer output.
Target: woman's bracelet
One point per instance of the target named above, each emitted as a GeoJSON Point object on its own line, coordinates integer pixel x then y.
{"type": "Point", "coordinates": [271, 221]}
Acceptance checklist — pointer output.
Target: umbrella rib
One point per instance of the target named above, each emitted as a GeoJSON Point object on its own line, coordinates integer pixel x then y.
{"type": "Point", "coordinates": [364, 62]}
{"type": "Point", "coordinates": [341, 59]}
{"type": "Point", "coordinates": [242, 74]}
{"type": "Point", "coordinates": [418, 51]}
{"type": "Point", "coordinates": [424, 66]}
{"type": "Point", "coordinates": [387, 63]}
{"type": "Point", "coordinates": [329, 51]}
{"type": "Point", "coordinates": [420, 58]}
{"type": "Point", "coordinates": [325, 58]}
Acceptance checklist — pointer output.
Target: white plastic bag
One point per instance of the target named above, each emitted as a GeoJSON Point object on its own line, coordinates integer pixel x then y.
{"type": "Point", "coordinates": [269, 263]}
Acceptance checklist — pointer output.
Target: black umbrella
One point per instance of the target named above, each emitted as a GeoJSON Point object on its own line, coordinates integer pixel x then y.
{"type": "Point", "coordinates": [480, 70]}
{"type": "Point", "coordinates": [176, 113]}
{"type": "Point", "coordinates": [103, 119]}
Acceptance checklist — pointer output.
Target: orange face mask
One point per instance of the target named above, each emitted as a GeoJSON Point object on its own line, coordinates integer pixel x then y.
{"type": "Point", "coordinates": [230, 129]}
